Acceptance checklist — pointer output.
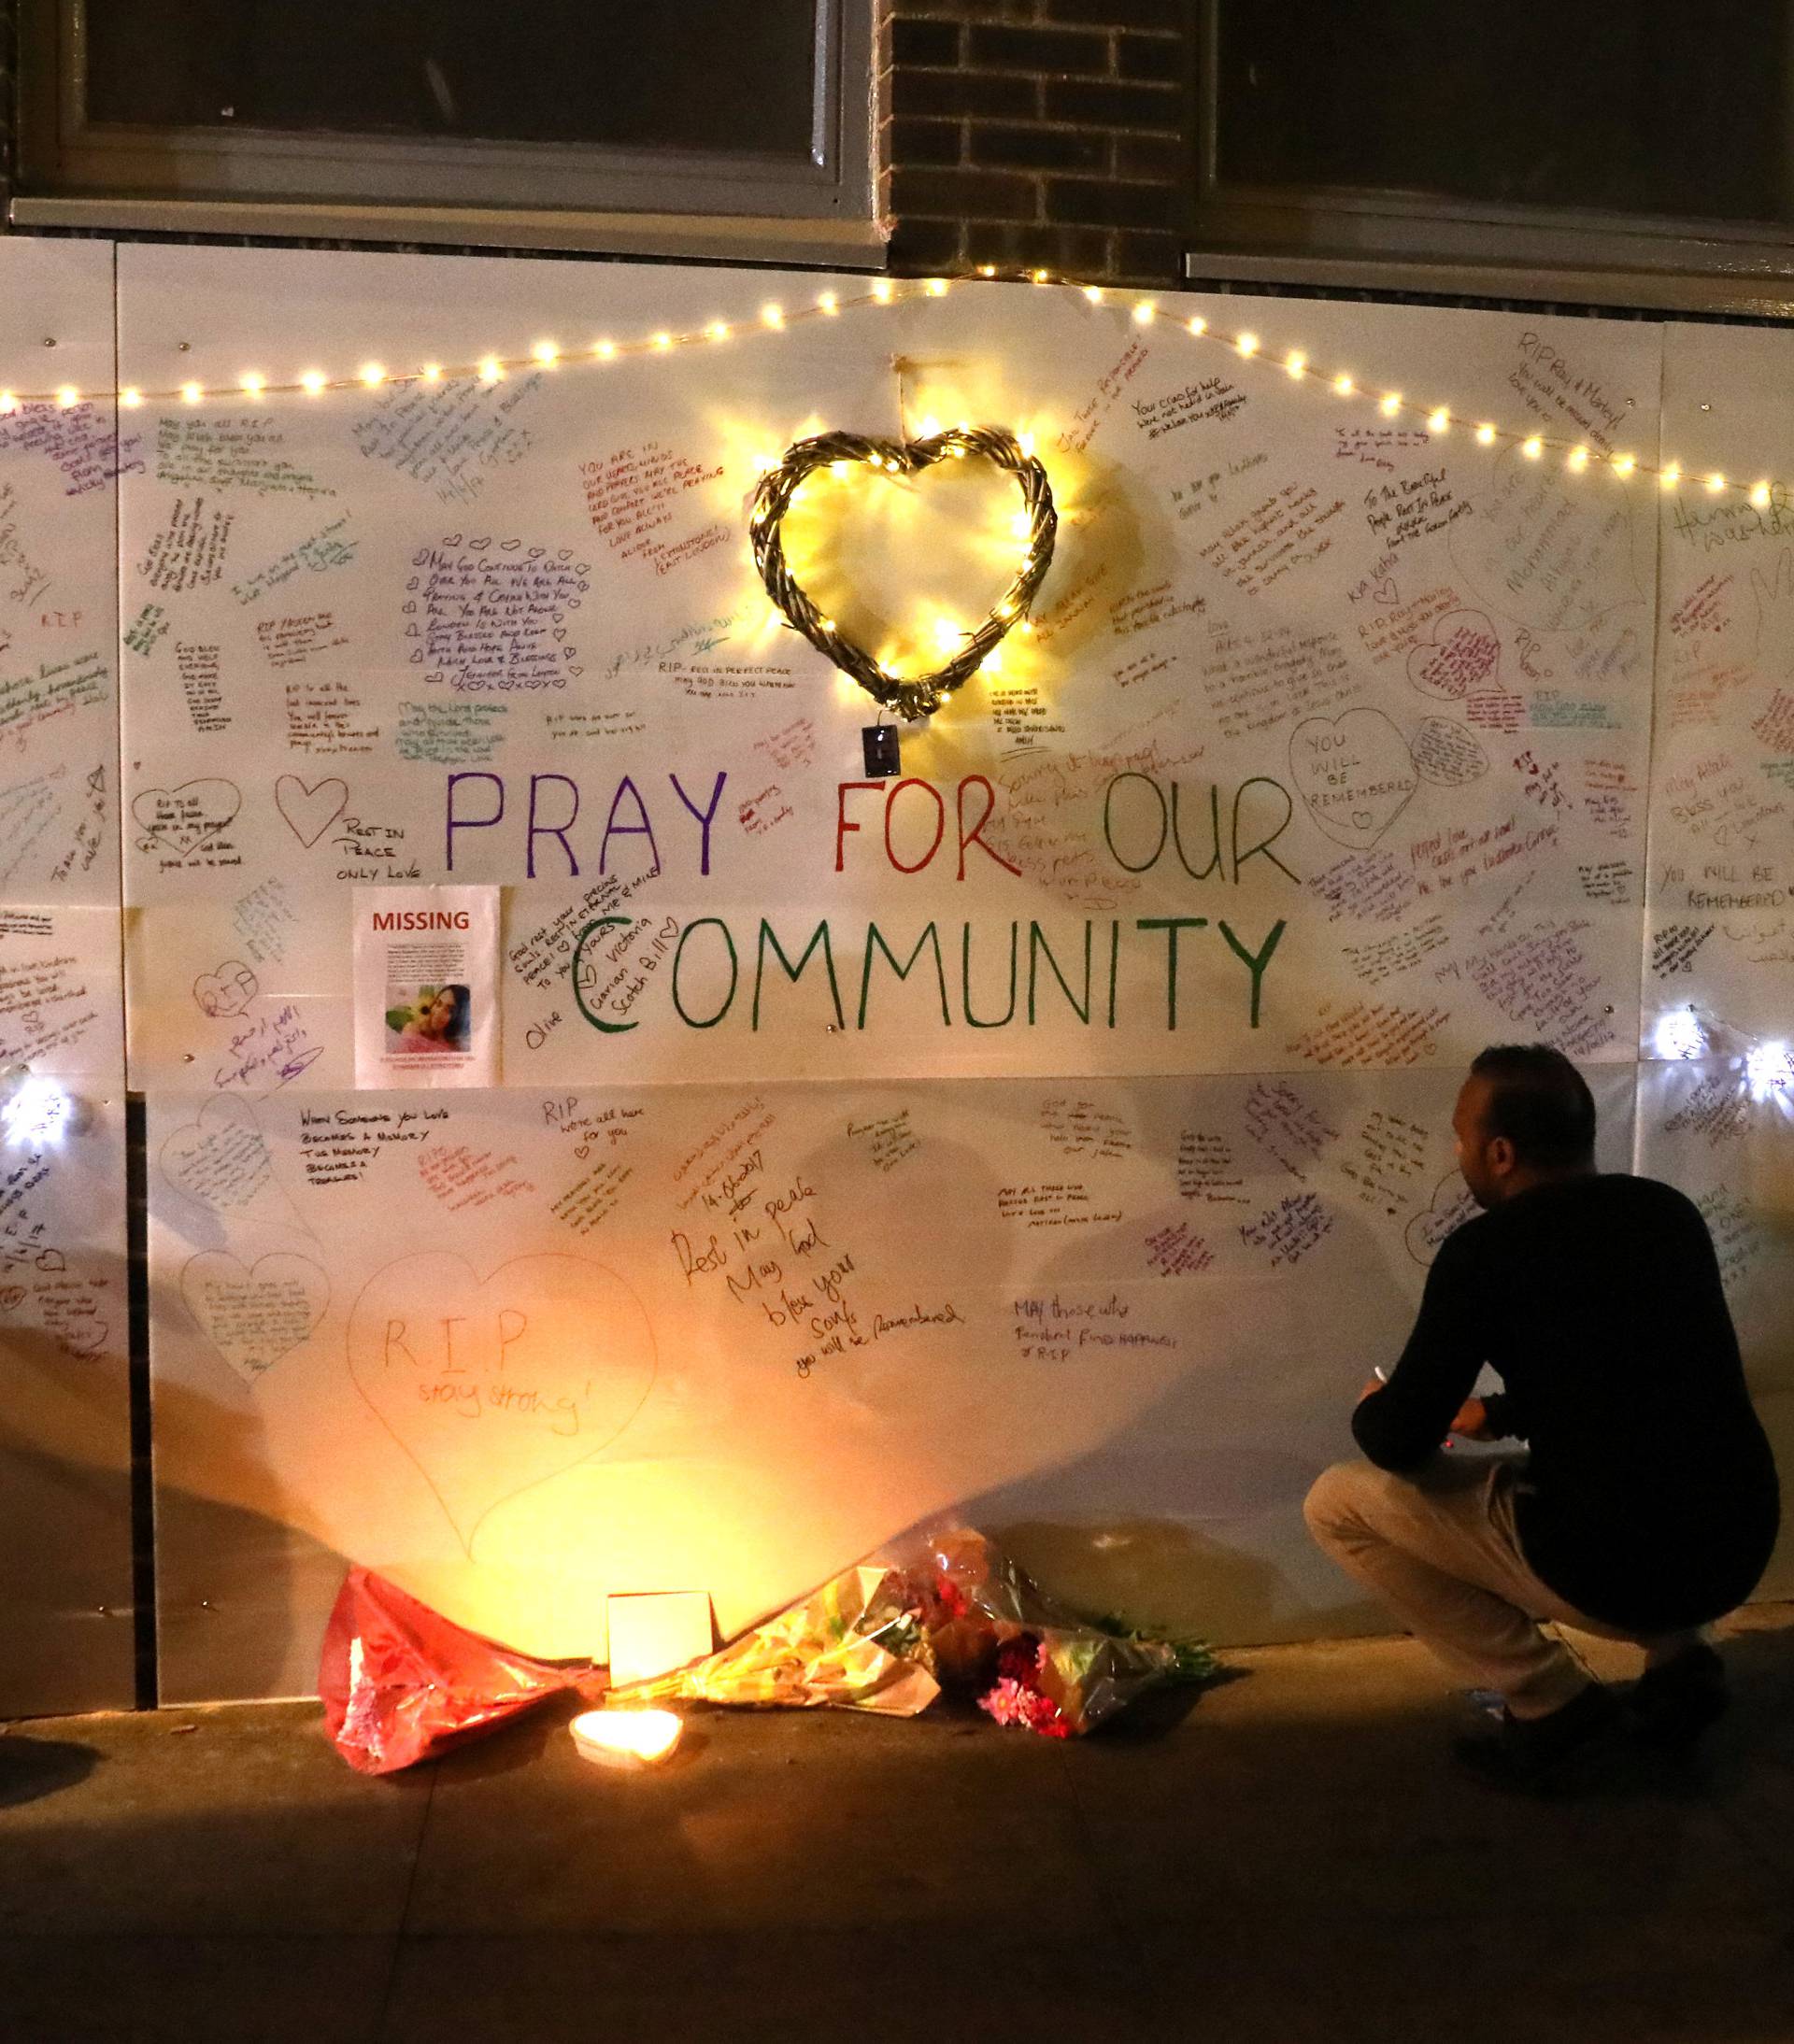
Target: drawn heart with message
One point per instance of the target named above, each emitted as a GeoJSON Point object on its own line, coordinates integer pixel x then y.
{"type": "Point", "coordinates": [220, 1159]}
{"type": "Point", "coordinates": [921, 695]}
{"type": "Point", "coordinates": [1462, 656]}
{"type": "Point", "coordinates": [254, 1314]}
{"type": "Point", "coordinates": [1446, 754]}
{"type": "Point", "coordinates": [1452, 1206]}
{"type": "Point", "coordinates": [1556, 555]}
{"type": "Point", "coordinates": [494, 1384]}
{"type": "Point", "coordinates": [227, 991]}
{"type": "Point", "coordinates": [1354, 772]}
{"type": "Point", "coordinates": [183, 819]}
{"type": "Point", "coordinates": [309, 812]}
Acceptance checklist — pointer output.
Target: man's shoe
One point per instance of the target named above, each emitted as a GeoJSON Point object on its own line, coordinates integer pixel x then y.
{"type": "Point", "coordinates": [1541, 1757]}
{"type": "Point", "coordinates": [1672, 1706]}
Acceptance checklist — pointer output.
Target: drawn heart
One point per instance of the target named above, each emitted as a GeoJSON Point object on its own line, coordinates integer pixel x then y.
{"type": "Point", "coordinates": [453, 539]}
{"type": "Point", "coordinates": [309, 812]}
{"type": "Point", "coordinates": [227, 991]}
{"type": "Point", "coordinates": [479, 546]}
{"type": "Point", "coordinates": [254, 1314]}
{"type": "Point", "coordinates": [1553, 555]}
{"type": "Point", "coordinates": [494, 1384]}
{"type": "Point", "coordinates": [1451, 1207]}
{"type": "Point", "coordinates": [186, 818]}
{"type": "Point", "coordinates": [1462, 655]}
{"type": "Point", "coordinates": [1384, 592]}
{"type": "Point", "coordinates": [922, 695]}
{"type": "Point", "coordinates": [1354, 773]}
{"type": "Point", "coordinates": [220, 1159]}
{"type": "Point", "coordinates": [1446, 754]}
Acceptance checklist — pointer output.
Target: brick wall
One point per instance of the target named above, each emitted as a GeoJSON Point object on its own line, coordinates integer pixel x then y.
{"type": "Point", "coordinates": [1042, 133]}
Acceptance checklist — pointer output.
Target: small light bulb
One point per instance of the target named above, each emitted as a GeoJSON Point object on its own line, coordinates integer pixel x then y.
{"type": "Point", "coordinates": [68, 396]}
{"type": "Point", "coordinates": [1198, 325]}
{"type": "Point", "coordinates": [986, 269]}
{"type": "Point", "coordinates": [829, 304]}
{"type": "Point", "coordinates": [1026, 626]}
{"type": "Point", "coordinates": [431, 373]}
{"type": "Point", "coordinates": [717, 330]}
{"type": "Point", "coordinates": [1026, 443]}
{"type": "Point", "coordinates": [1439, 420]}
{"type": "Point", "coordinates": [253, 385]}
{"type": "Point", "coordinates": [312, 382]}
{"type": "Point", "coordinates": [881, 290]}
{"type": "Point", "coordinates": [1577, 458]}
{"type": "Point", "coordinates": [1485, 434]}
{"type": "Point", "coordinates": [546, 353]}
{"type": "Point", "coordinates": [1625, 463]}
{"type": "Point", "coordinates": [947, 633]}
{"type": "Point", "coordinates": [1094, 293]}
{"type": "Point", "coordinates": [937, 286]}
{"type": "Point", "coordinates": [1670, 476]}
{"type": "Point", "coordinates": [1343, 385]}
{"type": "Point", "coordinates": [827, 623]}
{"type": "Point", "coordinates": [1296, 363]}
{"type": "Point", "coordinates": [373, 373]}
{"type": "Point", "coordinates": [662, 342]}
{"type": "Point", "coordinates": [773, 315]}
{"type": "Point", "coordinates": [838, 469]}
{"type": "Point", "coordinates": [1036, 276]}
{"type": "Point", "coordinates": [1390, 403]}
{"type": "Point", "coordinates": [1144, 311]}
{"type": "Point", "coordinates": [1532, 448]}
{"type": "Point", "coordinates": [1247, 344]}
{"type": "Point", "coordinates": [191, 393]}
{"type": "Point", "coordinates": [491, 370]}
{"type": "Point", "coordinates": [1715, 483]}
{"type": "Point", "coordinates": [1759, 496]}
{"type": "Point", "coordinates": [130, 398]}
{"type": "Point", "coordinates": [7, 402]}
{"type": "Point", "coordinates": [931, 426]}
{"type": "Point", "coordinates": [993, 661]}
{"type": "Point", "coordinates": [1021, 525]}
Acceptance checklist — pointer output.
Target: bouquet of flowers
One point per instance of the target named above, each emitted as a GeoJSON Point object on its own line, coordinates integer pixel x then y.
{"type": "Point", "coordinates": [944, 1609]}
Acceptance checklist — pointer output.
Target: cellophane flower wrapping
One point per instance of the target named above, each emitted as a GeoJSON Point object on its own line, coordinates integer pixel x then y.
{"type": "Point", "coordinates": [400, 1682]}
{"type": "Point", "coordinates": [943, 1609]}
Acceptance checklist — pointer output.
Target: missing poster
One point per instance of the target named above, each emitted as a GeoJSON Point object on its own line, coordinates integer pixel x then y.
{"type": "Point", "coordinates": [426, 987]}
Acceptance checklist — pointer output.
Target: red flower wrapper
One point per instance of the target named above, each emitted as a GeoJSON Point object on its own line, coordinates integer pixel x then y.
{"type": "Point", "coordinates": [400, 1682]}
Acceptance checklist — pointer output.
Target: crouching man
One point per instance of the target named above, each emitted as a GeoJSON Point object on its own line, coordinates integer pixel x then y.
{"type": "Point", "coordinates": [1647, 1504]}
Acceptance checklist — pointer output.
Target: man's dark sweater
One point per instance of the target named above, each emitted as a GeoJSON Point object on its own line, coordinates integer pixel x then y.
{"type": "Point", "coordinates": [1650, 1500]}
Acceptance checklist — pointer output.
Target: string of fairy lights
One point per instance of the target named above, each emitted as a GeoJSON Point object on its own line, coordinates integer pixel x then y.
{"type": "Point", "coordinates": [1439, 417]}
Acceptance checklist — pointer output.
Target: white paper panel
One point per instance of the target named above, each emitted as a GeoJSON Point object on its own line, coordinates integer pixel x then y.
{"type": "Point", "coordinates": [1721, 930]}
{"type": "Point", "coordinates": [65, 1581]}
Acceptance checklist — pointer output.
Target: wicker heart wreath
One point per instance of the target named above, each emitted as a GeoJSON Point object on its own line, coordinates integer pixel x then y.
{"type": "Point", "coordinates": [922, 694]}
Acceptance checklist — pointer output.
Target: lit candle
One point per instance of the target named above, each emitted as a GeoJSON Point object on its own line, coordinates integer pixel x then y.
{"type": "Point", "coordinates": [626, 1738]}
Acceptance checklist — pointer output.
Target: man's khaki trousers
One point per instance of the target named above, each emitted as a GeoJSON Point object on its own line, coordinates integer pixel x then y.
{"type": "Point", "coordinates": [1438, 1547]}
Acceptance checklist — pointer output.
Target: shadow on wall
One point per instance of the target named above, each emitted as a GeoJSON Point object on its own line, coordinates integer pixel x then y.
{"type": "Point", "coordinates": [241, 1594]}
{"type": "Point", "coordinates": [66, 1640]}
{"type": "Point", "coordinates": [1189, 1516]}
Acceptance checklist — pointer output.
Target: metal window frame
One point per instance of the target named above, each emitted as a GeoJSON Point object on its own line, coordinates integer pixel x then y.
{"type": "Point", "coordinates": [544, 196]}
{"type": "Point", "coordinates": [1358, 238]}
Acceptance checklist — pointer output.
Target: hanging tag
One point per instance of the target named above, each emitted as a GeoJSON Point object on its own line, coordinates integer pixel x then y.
{"type": "Point", "coordinates": [879, 743]}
